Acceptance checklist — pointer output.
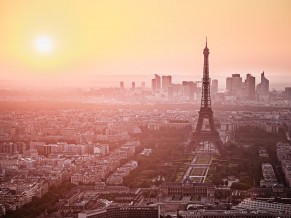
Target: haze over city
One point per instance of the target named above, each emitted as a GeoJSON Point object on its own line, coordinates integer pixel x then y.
{"type": "Point", "coordinates": [145, 109]}
{"type": "Point", "coordinates": [97, 43]}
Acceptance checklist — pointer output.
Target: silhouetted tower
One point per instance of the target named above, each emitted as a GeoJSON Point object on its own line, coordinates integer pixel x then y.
{"type": "Point", "coordinates": [121, 85]}
{"type": "Point", "coordinates": [206, 136]}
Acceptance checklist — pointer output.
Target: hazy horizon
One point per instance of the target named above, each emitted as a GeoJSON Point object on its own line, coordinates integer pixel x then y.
{"type": "Point", "coordinates": [114, 80]}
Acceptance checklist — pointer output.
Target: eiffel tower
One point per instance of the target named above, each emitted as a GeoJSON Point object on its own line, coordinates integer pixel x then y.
{"type": "Point", "coordinates": [202, 137]}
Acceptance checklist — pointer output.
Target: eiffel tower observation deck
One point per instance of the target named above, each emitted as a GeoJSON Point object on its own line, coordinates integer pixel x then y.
{"type": "Point", "coordinates": [206, 136]}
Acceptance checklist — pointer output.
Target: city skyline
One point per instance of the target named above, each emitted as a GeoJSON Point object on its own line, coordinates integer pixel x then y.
{"type": "Point", "coordinates": [145, 109]}
{"type": "Point", "coordinates": [141, 81]}
{"type": "Point", "coordinates": [54, 43]}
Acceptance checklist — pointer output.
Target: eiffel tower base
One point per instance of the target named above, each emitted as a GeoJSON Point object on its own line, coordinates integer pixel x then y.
{"type": "Point", "coordinates": [205, 138]}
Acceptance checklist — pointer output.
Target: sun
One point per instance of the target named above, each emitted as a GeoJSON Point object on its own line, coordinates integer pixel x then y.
{"type": "Point", "coordinates": [43, 44]}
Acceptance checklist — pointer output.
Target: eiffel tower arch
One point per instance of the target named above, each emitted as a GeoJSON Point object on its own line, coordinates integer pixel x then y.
{"type": "Point", "coordinates": [206, 136]}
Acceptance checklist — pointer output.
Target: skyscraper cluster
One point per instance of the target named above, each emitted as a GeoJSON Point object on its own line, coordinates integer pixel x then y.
{"type": "Point", "coordinates": [187, 90]}
{"type": "Point", "coordinates": [237, 88]}
{"type": "Point", "coordinates": [247, 89]}
{"type": "Point", "coordinates": [162, 87]}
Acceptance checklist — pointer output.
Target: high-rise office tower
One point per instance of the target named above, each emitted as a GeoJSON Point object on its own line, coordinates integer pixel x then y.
{"type": "Point", "coordinates": [228, 84]}
{"type": "Point", "coordinates": [214, 87]}
{"type": "Point", "coordinates": [133, 85]}
{"type": "Point", "coordinates": [166, 82]}
{"type": "Point", "coordinates": [158, 82]}
{"type": "Point", "coordinates": [154, 85]}
{"type": "Point", "coordinates": [188, 89]}
{"type": "Point", "coordinates": [287, 93]}
{"type": "Point", "coordinates": [250, 87]}
{"type": "Point", "coordinates": [263, 87]}
{"type": "Point", "coordinates": [234, 84]}
{"type": "Point", "coordinates": [121, 85]}
{"type": "Point", "coordinates": [237, 85]}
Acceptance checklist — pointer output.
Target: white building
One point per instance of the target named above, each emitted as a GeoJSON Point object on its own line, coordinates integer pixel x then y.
{"type": "Point", "coordinates": [274, 207]}
{"type": "Point", "coordinates": [284, 156]}
{"type": "Point", "coordinates": [101, 149]}
{"type": "Point", "coordinates": [269, 176]}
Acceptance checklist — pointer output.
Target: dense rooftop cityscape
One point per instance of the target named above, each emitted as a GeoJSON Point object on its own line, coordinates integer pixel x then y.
{"type": "Point", "coordinates": [116, 109]}
{"type": "Point", "coordinates": [97, 149]}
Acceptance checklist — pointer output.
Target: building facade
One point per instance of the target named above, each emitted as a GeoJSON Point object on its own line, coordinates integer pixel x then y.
{"type": "Point", "coordinates": [123, 212]}
{"type": "Point", "coordinates": [188, 189]}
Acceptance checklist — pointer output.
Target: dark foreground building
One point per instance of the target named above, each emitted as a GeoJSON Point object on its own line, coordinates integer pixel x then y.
{"type": "Point", "coordinates": [123, 212]}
